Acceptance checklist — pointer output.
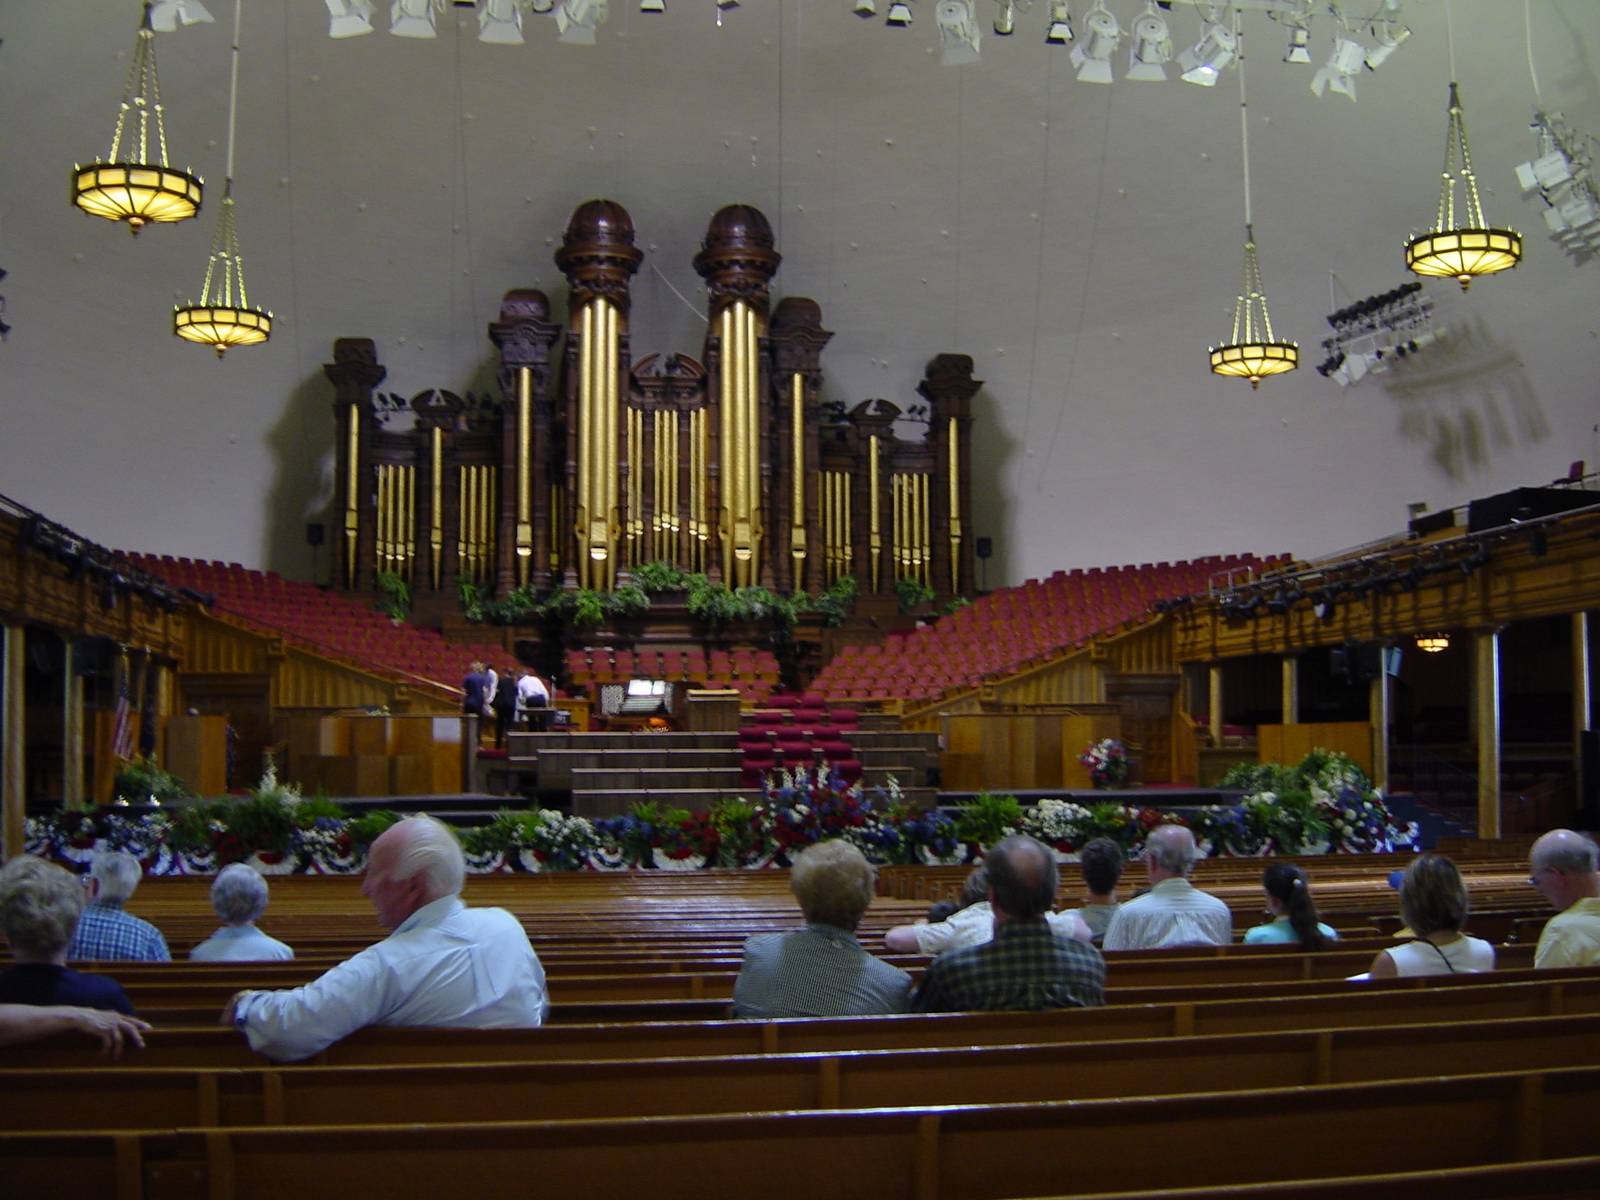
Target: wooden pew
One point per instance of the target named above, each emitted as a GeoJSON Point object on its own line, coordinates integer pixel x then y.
{"type": "Point", "coordinates": [167, 1098]}
{"type": "Point", "coordinates": [956, 1152]}
{"type": "Point", "coordinates": [1435, 1000]}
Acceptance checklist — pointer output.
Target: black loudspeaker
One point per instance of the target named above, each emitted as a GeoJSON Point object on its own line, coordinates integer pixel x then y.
{"type": "Point", "coordinates": [314, 533]}
{"type": "Point", "coordinates": [1524, 504]}
{"type": "Point", "coordinates": [93, 656]}
{"type": "Point", "coordinates": [985, 548]}
{"type": "Point", "coordinates": [1588, 815]}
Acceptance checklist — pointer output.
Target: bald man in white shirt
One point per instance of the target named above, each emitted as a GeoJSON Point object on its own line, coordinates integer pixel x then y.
{"type": "Point", "coordinates": [1173, 912]}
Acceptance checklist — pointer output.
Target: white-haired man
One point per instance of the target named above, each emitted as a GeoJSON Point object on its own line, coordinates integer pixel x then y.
{"type": "Point", "coordinates": [444, 965]}
{"type": "Point", "coordinates": [105, 932]}
{"type": "Point", "coordinates": [1173, 912]}
{"type": "Point", "coordinates": [239, 896]}
{"type": "Point", "coordinates": [1563, 867]}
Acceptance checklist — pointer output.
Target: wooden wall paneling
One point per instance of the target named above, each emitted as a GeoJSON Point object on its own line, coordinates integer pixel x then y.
{"type": "Point", "coordinates": [1291, 743]}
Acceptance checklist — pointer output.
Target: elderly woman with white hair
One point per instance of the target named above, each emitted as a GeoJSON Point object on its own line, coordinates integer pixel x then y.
{"type": "Point", "coordinates": [40, 905]}
{"type": "Point", "coordinates": [239, 895]}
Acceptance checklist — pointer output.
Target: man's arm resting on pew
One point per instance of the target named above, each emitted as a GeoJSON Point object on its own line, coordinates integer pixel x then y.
{"type": "Point", "coordinates": [29, 1022]}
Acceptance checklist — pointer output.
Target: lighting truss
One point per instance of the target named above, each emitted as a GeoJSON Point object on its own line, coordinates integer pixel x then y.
{"type": "Point", "coordinates": [1204, 62]}
{"type": "Point", "coordinates": [959, 35]}
{"type": "Point", "coordinates": [1091, 57]}
{"type": "Point", "coordinates": [1152, 45]}
{"type": "Point", "coordinates": [1373, 335]}
{"type": "Point", "coordinates": [1338, 74]}
{"type": "Point", "coordinates": [1561, 177]}
{"type": "Point", "coordinates": [349, 18]}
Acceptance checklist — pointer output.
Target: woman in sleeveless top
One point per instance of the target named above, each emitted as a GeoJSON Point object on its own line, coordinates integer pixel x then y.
{"type": "Point", "coordinates": [1433, 901]}
{"type": "Point", "coordinates": [1294, 912]}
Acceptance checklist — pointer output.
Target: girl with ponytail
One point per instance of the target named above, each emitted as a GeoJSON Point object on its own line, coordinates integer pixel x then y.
{"type": "Point", "coordinates": [1293, 911]}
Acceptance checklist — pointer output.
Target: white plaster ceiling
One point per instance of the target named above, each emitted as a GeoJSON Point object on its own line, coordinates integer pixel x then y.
{"type": "Point", "coordinates": [1081, 242]}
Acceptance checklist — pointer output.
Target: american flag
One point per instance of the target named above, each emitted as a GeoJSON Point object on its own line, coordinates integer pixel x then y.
{"type": "Point", "coordinates": [122, 731]}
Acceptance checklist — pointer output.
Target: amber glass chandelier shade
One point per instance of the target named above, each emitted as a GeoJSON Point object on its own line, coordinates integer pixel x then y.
{"type": "Point", "coordinates": [223, 316]}
{"type": "Point", "coordinates": [1252, 352]}
{"type": "Point", "coordinates": [133, 184]}
{"type": "Point", "coordinates": [1466, 249]}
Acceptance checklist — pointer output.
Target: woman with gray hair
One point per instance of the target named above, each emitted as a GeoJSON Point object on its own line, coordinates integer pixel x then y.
{"type": "Point", "coordinates": [821, 970]}
{"type": "Point", "coordinates": [39, 908]}
{"type": "Point", "coordinates": [240, 897]}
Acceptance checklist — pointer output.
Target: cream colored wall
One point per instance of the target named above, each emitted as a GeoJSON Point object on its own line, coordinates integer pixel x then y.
{"type": "Point", "coordinates": [1082, 243]}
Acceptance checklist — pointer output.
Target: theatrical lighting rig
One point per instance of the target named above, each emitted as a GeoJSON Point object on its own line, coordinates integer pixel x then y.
{"type": "Point", "coordinates": [1091, 57]}
{"type": "Point", "coordinates": [1059, 31]}
{"type": "Point", "coordinates": [1561, 176]}
{"type": "Point", "coordinates": [1152, 45]}
{"type": "Point", "coordinates": [1372, 335]}
{"type": "Point", "coordinates": [1204, 62]}
{"type": "Point", "coordinates": [959, 35]}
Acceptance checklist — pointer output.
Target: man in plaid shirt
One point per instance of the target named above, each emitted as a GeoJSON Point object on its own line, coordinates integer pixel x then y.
{"type": "Point", "coordinates": [1026, 966]}
{"type": "Point", "coordinates": [106, 932]}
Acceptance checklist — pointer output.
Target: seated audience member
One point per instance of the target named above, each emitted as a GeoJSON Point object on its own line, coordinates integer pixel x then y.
{"type": "Point", "coordinates": [39, 907]}
{"type": "Point", "coordinates": [1294, 913]}
{"type": "Point", "coordinates": [1433, 903]}
{"type": "Point", "coordinates": [971, 924]}
{"type": "Point", "coordinates": [1026, 965]}
{"type": "Point", "coordinates": [942, 910]}
{"type": "Point", "coordinates": [1562, 866]}
{"type": "Point", "coordinates": [821, 970]}
{"type": "Point", "coordinates": [1100, 863]}
{"type": "Point", "coordinates": [239, 895]}
{"type": "Point", "coordinates": [31, 1023]}
{"type": "Point", "coordinates": [1173, 912]}
{"type": "Point", "coordinates": [444, 965]}
{"type": "Point", "coordinates": [105, 932]}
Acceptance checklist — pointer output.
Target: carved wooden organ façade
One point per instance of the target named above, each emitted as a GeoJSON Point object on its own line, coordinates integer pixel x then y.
{"type": "Point", "coordinates": [727, 466]}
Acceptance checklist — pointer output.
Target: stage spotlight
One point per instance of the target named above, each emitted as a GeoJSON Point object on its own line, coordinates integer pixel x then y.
{"type": "Point", "coordinates": [1092, 56]}
{"type": "Point", "coordinates": [578, 20]}
{"type": "Point", "coordinates": [541, 6]}
{"type": "Point", "coordinates": [165, 15]}
{"type": "Point", "coordinates": [412, 18]}
{"type": "Point", "coordinates": [866, 8]}
{"type": "Point", "coordinates": [652, 6]}
{"type": "Point", "coordinates": [1152, 45]}
{"type": "Point", "coordinates": [349, 18]}
{"type": "Point", "coordinates": [1338, 73]}
{"type": "Point", "coordinates": [500, 22]}
{"type": "Point", "coordinates": [1060, 31]}
{"type": "Point", "coordinates": [1203, 62]}
{"type": "Point", "coordinates": [899, 14]}
{"type": "Point", "coordinates": [1324, 607]}
{"type": "Point", "coordinates": [1388, 37]}
{"type": "Point", "coordinates": [1299, 49]}
{"type": "Point", "coordinates": [1005, 18]}
{"type": "Point", "coordinates": [958, 31]}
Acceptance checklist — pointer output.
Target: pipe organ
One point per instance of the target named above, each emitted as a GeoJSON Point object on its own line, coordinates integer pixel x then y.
{"type": "Point", "coordinates": [588, 463]}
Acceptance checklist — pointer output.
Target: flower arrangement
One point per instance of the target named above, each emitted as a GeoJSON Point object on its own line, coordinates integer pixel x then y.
{"type": "Point", "coordinates": [1107, 761]}
{"type": "Point", "coordinates": [987, 819]}
{"type": "Point", "coordinates": [1059, 824]}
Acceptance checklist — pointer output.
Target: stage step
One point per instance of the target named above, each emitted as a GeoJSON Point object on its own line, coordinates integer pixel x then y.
{"type": "Point", "coordinates": [651, 778]}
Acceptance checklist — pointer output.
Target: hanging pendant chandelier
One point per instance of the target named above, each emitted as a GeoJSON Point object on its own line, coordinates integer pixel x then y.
{"type": "Point", "coordinates": [223, 316]}
{"type": "Point", "coordinates": [1461, 252]}
{"type": "Point", "coordinates": [136, 189]}
{"type": "Point", "coordinates": [1252, 351]}
{"type": "Point", "coordinates": [1473, 248]}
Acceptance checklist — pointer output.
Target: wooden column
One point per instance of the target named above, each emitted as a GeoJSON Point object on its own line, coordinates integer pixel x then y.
{"type": "Point", "coordinates": [12, 705]}
{"type": "Point", "coordinates": [1486, 727]}
{"type": "Point", "coordinates": [1582, 696]}
{"type": "Point", "coordinates": [71, 730]}
{"type": "Point", "coordinates": [1289, 666]}
{"type": "Point", "coordinates": [1214, 704]}
{"type": "Point", "coordinates": [1379, 698]}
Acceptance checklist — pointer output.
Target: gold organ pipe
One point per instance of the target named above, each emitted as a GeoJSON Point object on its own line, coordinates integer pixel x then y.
{"type": "Point", "coordinates": [609, 390]}
{"type": "Point", "coordinates": [585, 439]}
{"type": "Point", "coordinates": [556, 518]}
{"type": "Point", "coordinates": [797, 452]}
{"type": "Point", "coordinates": [436, 515]}
{"type": "Point", "coordinates": [955, 508]}
{"type": "Point", "coordinates": [924, 535]}
{"type": "Point", "coordinates": [408, 523]}
{"type": "Point", "coordinates": [352, 500]}
{"type": "Point", "coordinates": [750, 460]}
{"type": "Point", "coordinates": [727, 412]}
{"type": "Point", "coordinates": [874, 529]}
{"type": "Point", "coordinates": [524, 534]}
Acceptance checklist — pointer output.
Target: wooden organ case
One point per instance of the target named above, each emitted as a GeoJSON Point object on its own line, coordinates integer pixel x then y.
{"type": "Point", "coordinates": [589, 463]}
